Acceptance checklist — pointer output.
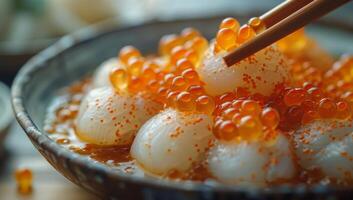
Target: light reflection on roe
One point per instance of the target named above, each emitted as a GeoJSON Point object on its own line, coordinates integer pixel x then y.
{"type": "Point", "coordinates": [282, 115]}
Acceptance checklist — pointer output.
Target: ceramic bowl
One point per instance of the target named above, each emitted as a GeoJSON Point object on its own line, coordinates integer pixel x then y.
{"type": "Point", "coordinates": [77, 55]}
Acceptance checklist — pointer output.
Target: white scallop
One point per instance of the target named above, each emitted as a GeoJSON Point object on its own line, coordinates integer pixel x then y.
{"type": "Point", "coordinates": [259, 73]}
{"type": "Point", "coordinates": [326, 145]}
{"type": "Point", "coordinates": [107, 118]}
{"type": "Point", "coordinates": [172, 140]}
{"type": "Point", "coordinates": [101, 75]}
{"type": "Point", "coordinates": [252, 164]}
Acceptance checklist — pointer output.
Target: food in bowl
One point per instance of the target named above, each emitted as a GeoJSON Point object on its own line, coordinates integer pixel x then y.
{"type": "Point", "coordinates": [280, 116]}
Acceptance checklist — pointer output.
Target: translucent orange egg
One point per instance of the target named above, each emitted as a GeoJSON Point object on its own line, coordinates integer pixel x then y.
{"type": "Point", "coordinates": [153, 86]}
{"type": "Point", "coordinates": [128, 52]}
{"type": "Point", "coordinates": [177, 53]}
{"type": "Point", "coordinates": [184, 64]}
{"type": "Point", "coordinates": [191, 76]}
{"type": "Point", "coordinates": [189, 33]}
{"type": "Point", "coordinates": [250, 107]}
{"type": "Point", "coordinates": [172, 98]}
{"type": "Point", "coordinates": [309, 116]}
{"type": "Point", "coordinates": [229, 113]}
{"type": "Point", "coordinates": [205, 104]}
{"type": "Point", "coordinates": [343, 110]}
{"type": "Point", "coordinates": [225, 105]}
{"type": "Point", "coordinates": [24, 179]}
{"type": "Point", "coordinates": [308, 104]}
{"type": "Point", "coordinates": [148, 73]}
{"type": "Point", "coordinates": [228, 96]}
{"type": "Point", "coordinates": [192, 56]}
{"type": "Point", "coordinates": [245, 33]}
{"type": "Point", "coordinates": [227, 130]}
{"type": "Point", "coordinates": [168, 42]}
{"type": "Point", "coordinates": [230, 23]}
{"type": "Point", "coordinates": [168, 79]}
{"type": "Point", "coordinates": [216, 128]}
{"type": "Point", "coordinates": [327, 108]}
{"type": "Point", "coordinates": [198, 44]}
{"type": "Point", "coordinates": [119, 79]}
{"type": "Point", "coordinates": [294, 115]}
{"type": "Point", "coordinates": [307, 85]}
{"type": "Point", "coordinates": [135, 84]}
{"type": "Point", "coordinates": [237, 104]}
{"type": "Point", "coordinates": [152, 65]}
{"type": "Point", "coordinates": [348, 96]}
{"type": "Point", "coordinates": [185, 102]}
{"type": "Point", "coordinates": [237, 118]}
{"type": "Point", "coordinates": [179, 84]}
{"type": "Point", "coordinates": [250, 128]}
{"type": "Point", "coordinates": [162, 92]}
{"type": "Point", "coordinates": [315, 93]}
{"type": "Point", "coordinates": [256, 24]}
{"type": "Point", "coordinates": [270, 118]}
{"type": "Point", "coordinates": [196, 90]}
{"type": "Point", "coordinates": [226, 39]}
{"type": "Point", "coordinates": [294, 96]}
{"type": "Point", "coordinates": [135, 66]}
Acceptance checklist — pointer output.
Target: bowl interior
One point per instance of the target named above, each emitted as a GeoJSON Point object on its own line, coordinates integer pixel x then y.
{"type": "Point", "coordinates": [60, 65]}
{"type": "Point", "coordinates": [76, 56]}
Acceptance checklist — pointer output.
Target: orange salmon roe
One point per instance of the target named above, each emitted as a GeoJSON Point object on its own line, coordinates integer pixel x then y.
{"type": "Point", "coordinates": [230, 23]}
{"type": "Point", "coordinates": [119, 79]}
{"type": "Point", "coordinates": [245, 33]}
{"type": "Point", "coordinates": [226, 39]}
{"type": "Point", "coordinates": [185, 102]}
{"type": "Point", "coordinates": [135, 66]}
{"type": "Point", "coordinates": [294, 96]}
{"type": "Point", "coordinates": [198, 44]}
{"type": "Point", "coordinates": [256, 24]}
{"type": "Point", "coordinates": [168, 42]}
{"type": "Point", "coordinates": [327, 108]}
{"type": "Point", "coordinates": [172, 80]}
{"type": "Point", "coordinates": [128, 52]}
{"type": "Point", "coordinates": [24, 179]}
{"type": "Point", "coordinates": [270, 117]}
{"type": "Point", "coordinates": [189, 33]}
{"type": "Point", "coordinates": [205, 104]}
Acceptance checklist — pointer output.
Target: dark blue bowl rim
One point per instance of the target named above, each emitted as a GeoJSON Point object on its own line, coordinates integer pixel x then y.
{"type": "Point", "coordinates": [79, 38]}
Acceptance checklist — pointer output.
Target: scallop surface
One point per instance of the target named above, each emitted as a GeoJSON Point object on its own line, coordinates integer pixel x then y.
{"type": "Point", "coordinates": [252, 164]}
{"type": "Point", "coordinates": [107, 118]}
{"type": "Point", "coordinates": [327, 146]}
{"type": "Point", "coordinates": [172, 140]}
{"type": "Point", "coordinates": [259, 73]}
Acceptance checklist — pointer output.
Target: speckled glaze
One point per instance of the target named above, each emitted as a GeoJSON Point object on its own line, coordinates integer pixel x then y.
{"type": "Point", "coordinates": [77, 55]}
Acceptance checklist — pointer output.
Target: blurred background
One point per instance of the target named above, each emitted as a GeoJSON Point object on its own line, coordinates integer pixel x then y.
{"type": "Point", "coordinates": [29, 26]}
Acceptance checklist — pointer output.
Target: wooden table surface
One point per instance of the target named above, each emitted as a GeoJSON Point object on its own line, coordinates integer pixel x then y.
{"type": "Point", "coordinates": [47, 183]}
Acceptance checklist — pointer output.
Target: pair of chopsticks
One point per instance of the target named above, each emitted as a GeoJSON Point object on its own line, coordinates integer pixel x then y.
{"type": "Point", "coordinates": [281, 21]}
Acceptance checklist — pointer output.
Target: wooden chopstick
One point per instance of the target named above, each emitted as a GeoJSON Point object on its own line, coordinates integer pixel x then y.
{"type": "Point", "coordinates": [282, 11]}
{"type": "Point", "coordinates": [297, 20]}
